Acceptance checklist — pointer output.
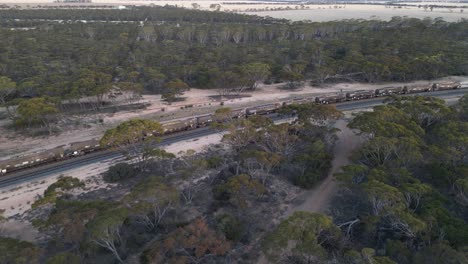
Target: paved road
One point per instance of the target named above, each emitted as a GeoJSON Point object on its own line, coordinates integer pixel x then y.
{"type": "Point", "coordinates": [65, 165]}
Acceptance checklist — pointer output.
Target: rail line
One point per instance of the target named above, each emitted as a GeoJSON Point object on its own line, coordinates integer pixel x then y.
{"type": "Point", "coordinates": [64, 165]}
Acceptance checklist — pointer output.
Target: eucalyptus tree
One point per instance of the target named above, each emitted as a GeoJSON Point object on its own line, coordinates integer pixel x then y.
{"type": "Point", "coordinates": [134, 138]}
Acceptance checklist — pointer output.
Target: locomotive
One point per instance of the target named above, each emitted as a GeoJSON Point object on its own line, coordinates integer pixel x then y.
{"type": "Point", "coordinates": [84, 147]}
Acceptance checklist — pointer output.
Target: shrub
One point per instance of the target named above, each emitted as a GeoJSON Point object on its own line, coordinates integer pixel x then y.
{"type": "Point", "coordinates": [64, 257]}
{"type": "Point", "coordinates": [58, 189]}
{"type": "Point", "coordinates": [231, 227]}
{"type": "Point", "coordinates": [119, 172]}
{"type": "Point", "coordinates": [214, 162]}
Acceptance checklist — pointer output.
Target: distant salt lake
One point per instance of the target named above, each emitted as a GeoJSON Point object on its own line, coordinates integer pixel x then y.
{"type": "Point", "coordinates": [318, 13]}
{"type": "Point", "coordinates": [321, 13]}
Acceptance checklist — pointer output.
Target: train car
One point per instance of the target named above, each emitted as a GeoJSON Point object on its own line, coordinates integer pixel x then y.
{"type": "Point", "coordinates": [330, 99]}
{"type": "Point", "coordinates": [238, 113]}
{"type": "Point", "coordinates": [389, 91]}
{"type": "Point", "coordinates": [263, 109]}
{"type": "Point", "coordinates": [83, 147]}
{"type": "Point", "coordinates": [446, 86]}
{"type": "Point", "coordinates": [32, 159]}
{"type": "Point", "coordinates": [417, 88]}
{"type": "Point", "coordinates": [56, 153]}
{"type": "Point", "coordinates": [359, 95]}
{"type": "Point", "coordinates": [299, 101]}
{"type": "Point", "coordinates": [205, 120]}
{"type": "Point", "coordinates": [4, 166]}
{"type": "Point", "coordinates": [179, 125]}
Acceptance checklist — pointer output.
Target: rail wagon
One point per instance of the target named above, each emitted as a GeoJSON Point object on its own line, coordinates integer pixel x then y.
{"type": "Point", "coordinates": [75, 148]}
{"type": "Point", "coordinates": [179, 125]}
{"type": "Point", "coordinates": [4, 165]}
{"type": "Point", "coordinates": [417, 88]}
{"type": "Point", "coordinates": [330, 99]}
{"type": "Point", "coordinates": [32, 159]}
{"type": "Point", "coordinates": [238, 113]}
{"type": "Point", "coordinates": [205, 120]}
{"type": "Point", "coordinates": [446, 86]}
{"type": "Point", "coordinates": [388, 91]}
{"type": "Point", "coordinates": [298, 101]}
{"type": "Point", "coordinates": [83, 147]}
{"type": "Point", "coordinates": [360, 94]}
{"type": "Point", "coordinates": [263, 109]}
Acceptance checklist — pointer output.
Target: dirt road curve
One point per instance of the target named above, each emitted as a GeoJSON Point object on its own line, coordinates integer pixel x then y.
{"type": "Point", "coordinates": [318, 199]}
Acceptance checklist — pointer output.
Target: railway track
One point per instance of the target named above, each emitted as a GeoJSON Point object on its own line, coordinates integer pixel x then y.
{"type": "Point", "coordinates": [94, 157]}
{"type": "Point", "coordinates": [64, 165]}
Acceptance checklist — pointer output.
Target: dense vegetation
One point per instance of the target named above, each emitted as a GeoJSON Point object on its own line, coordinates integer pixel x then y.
{"type": "Point", "coordinates": [137, 14]}
{"type": "Point", "coordinates": [409, 182]}
{"type": "Point", "coordinates": [197, 208]}
{"type": "Point", "coordinates": [404, 199]}
{"type": "Point", "coordinates": [72, 60]}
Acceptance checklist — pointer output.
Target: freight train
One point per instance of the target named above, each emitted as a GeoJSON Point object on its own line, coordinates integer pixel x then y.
{"type": "Point", "coordinates": [84, 147]}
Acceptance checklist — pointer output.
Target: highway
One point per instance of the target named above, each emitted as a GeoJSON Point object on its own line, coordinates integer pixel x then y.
{"type": "Point", "coordinates": [74, 163]}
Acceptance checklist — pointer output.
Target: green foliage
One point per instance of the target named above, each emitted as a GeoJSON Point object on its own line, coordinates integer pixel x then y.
{"type": "Point", "coordinates": [462, 107]}
{"type": "Point", "coordinates": [317, 114]}
{"type": "Point", "coordinates": [367, 255]}
{"type": "Point", "coordinates": [433, 109]}
{"type": "Point", "coordinates": [414, 179]}
{"type": "Point", "coordinates": [149, 194]}
{"type": "Point", "coordinates": [387, 121]}
{"type": "Point", "coordinates": [353, 174]}
{"type": "Point", "coordinates": [315, 163]}
{"type": "Point", "coordinates": [36, 111]}
{"type": "Point", "coordinates": [214, 162]}
{"type": "Point", "coordinates": [157, 13]}
{"type": "Point", "coordinates": [68, 221]}
{"type": "Point", "coordinates": [19, 252]}
{"type": "Point", "coordinates": [93, 83]}
{"type": "Point", "coordinates": [107, 221]}
{"type": "Point", "coordinates": [398, 251]}
{"type": "Point", "coordinates": [2, 218]}
{"type": "Point", "coordinates": [132, 132]}
{"type": "Point", "coordinates": [385, 198]}
{"type": "Point", "coordinates": [195, 241]}
{"type": "Point", "coordinates": [259, 121]}
{"type": "Point", "coordinates": [439, 253]}
{"type": "Point", "coordinates": [120, 172]}
{"type": "Point", "coordinates": [255, 72]}
{"type": "Point", "coordinates": [158, 154]}
{"type": "Point", "coordinates": [301, 235]}
{"type": "Point", "coordinates": [7, 88]}
{"type": "Point", "coordinates": [239, 189]}
{"type": "Point", "coordinates": [57, 189]}
{"type": "Point", "coordinates": [64, 258]}
{"type": "Point", "coordinates": [223, 114]}
{"type": "Point", "coordinates": [450, 142]}
{"type": "Point", "coordinates": [193, 47]}
{"type": "Point", "coordinates": [174, 89]}
{"type": "Point", "coordinates": [232, 228]}
{"type": "Point", "coordinates": [293, 74]}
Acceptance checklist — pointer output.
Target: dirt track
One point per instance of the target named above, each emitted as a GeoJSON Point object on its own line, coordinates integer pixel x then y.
{"type": "Point", "coordinates": [318, 199]}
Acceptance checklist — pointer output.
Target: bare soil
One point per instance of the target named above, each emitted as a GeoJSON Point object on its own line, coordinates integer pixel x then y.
{"type": "Point", "coordinates": [318, 199]}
